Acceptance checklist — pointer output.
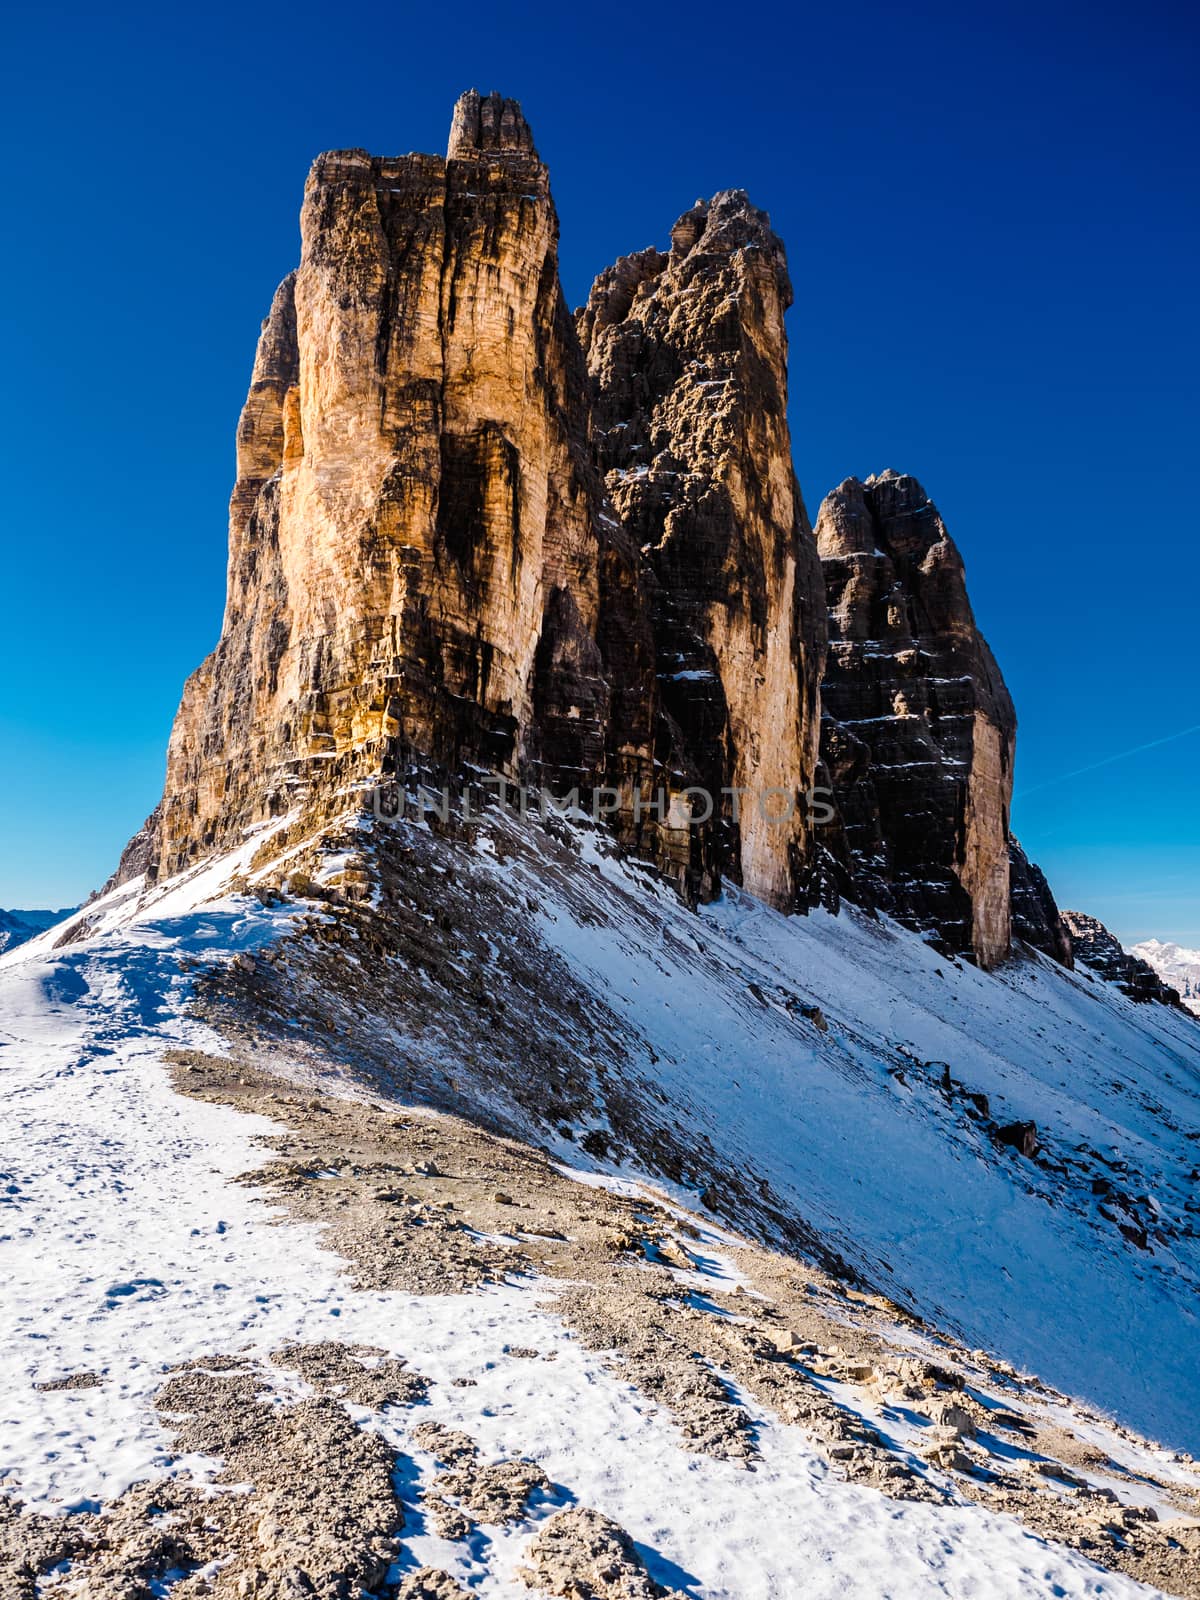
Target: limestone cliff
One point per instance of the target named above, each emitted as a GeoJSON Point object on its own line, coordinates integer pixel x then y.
{"type": "Point", "coordinates": [920, 729]}
{"type": "Point", "coordinates": [422, 562]}
{"type": "Point", "coordinates": [470, 532]}
{"type": "Point", "coordinates": [688, 359]}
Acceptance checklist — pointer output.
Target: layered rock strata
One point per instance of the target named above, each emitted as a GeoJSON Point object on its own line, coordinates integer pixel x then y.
{"type": "Point", "coordinates": [470, 534]}
{"type": "Point", "coordinates": [688, 360]}
{"type": "Point", "coordinates": [919, 734]}
{"type": "Point", "coordinates": [421, 558]}
{"type": "Point", "coordinates": [1103, 952]}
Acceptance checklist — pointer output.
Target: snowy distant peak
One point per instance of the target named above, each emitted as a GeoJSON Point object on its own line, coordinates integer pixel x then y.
{"type": "Point", "coordinates": [16, 927]}
{"type": "Point", "coordinates": [1175, 965]}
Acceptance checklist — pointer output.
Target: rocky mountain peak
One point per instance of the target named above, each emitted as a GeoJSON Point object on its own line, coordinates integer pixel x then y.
{"type": "Point", "coordinates": [488, 125]}
{"type": "Point", "coordinates": [920, 730]}
{"type": "Point", "coordinates": [688, 361]}
{"type": "Point", "coordinates": [469, 532]}
{"type": "Point", "coordinates": [423, 566]}
{"type": "Point", "coordinates": [724, 224]}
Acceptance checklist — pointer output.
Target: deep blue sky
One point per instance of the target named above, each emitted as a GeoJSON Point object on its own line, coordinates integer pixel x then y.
{"type": "Point", "coordinates": [993, 230]}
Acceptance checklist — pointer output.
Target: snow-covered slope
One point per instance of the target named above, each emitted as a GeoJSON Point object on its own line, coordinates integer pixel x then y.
{"type": "Point", "coordinates": [840, 1062]}
{"type": "Point", "coordinates": [865, 1133]}
{"type": "Point", "coordinates": [853, 1128]}
{"type": "Point", "coordinates": [129, 1250]}
{"type": "Point", "coordinates": [1176, 965]}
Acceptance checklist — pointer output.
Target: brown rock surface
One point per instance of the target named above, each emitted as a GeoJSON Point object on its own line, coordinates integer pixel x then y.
{"type": "Point", "coordinates": [420, 549]}
{"type": "Point", "coordinates": [583, 1555]}
{"type": "Point", "coordinates": [920, 742]}
{"type": "Point", "coordinates": [688, 360]}
{"type": "Point", "coordinates": [470, 533]}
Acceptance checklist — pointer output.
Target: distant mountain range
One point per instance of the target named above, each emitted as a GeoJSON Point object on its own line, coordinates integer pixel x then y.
{"type": "Point", "coordinates": [18, 926]}
{"type": "Point", "coordinates": [1176, 965]}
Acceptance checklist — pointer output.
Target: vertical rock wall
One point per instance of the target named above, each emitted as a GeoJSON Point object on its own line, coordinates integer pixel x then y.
{"type": "Point", "coordinates": [921, 730]}
{"type": "Point", "coordinates": [421, 555]}
{"type": "Point", "coordinates": [470, 532]}
{"type": "Point", "coordinates": [688, 359]}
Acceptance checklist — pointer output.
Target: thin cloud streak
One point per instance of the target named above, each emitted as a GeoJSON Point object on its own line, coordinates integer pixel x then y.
{"type": "Point", "coordinates": [1151, 744]}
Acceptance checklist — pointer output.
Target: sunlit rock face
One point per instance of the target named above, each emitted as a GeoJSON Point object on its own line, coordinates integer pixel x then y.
{"type": "Point", "coordinates": [472, 534]}
{"type": "Point", "coordinates": [422, 560]}
{"type": "Point", "coordinates": [920, 729]}
{"type": "Point", "coordinates": [688, 359]}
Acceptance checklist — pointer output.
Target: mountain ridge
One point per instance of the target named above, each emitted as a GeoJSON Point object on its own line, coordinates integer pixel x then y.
{"type": "Point", "coordinates": [18, 926]}
{"type": "Point", "coordinates": [470, 533]}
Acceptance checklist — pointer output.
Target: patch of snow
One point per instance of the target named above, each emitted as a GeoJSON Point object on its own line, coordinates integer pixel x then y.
{"type": "Point", "coordinates": [979, 1240]}
{"type": "Point", "coordinates": [1176, 965]}
{"type": "Point", "coordinates": [107, 1270]}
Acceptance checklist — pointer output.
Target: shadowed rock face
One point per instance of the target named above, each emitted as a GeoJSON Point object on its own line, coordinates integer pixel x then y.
{"type": "Point", "coordinates": [688, 360]}
{"type": "Point", "coordinates": [422, 561]}
{"type": "Point", "coordinates": [1035, 915]}
{"type": "Point", "coordinates": [920, 731]}
{"type": "Point", "coordinates": [1104, 953]}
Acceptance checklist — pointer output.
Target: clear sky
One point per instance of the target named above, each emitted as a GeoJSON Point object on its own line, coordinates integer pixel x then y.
{"type": "Point", "coordinates": [992, 222]}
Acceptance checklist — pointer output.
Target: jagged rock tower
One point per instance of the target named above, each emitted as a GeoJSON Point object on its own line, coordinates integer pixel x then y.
{"type": "Point", "coordinates": [470, 532]}
{"type": "Point", "coordinates": [421, 556]}
{"type": "Point", "coordinates": [920, 730]}
{"type": "Point", "coordinates": [424, 560]}
{"type": "Point", "coordinates": [688, 357]}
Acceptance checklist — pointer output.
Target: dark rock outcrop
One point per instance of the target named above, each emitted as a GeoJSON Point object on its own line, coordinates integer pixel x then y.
{"type": "Point", "coordinates": [919, 737]}
{"type": "Point", "coordinates": [1021, 1137]}
{"type": "Point", "coordinates": [1102, 951]}
{"type": "Point", "coordinates": [1036, 918]}
{"type": "Point", "coordinates": [688, 360]}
